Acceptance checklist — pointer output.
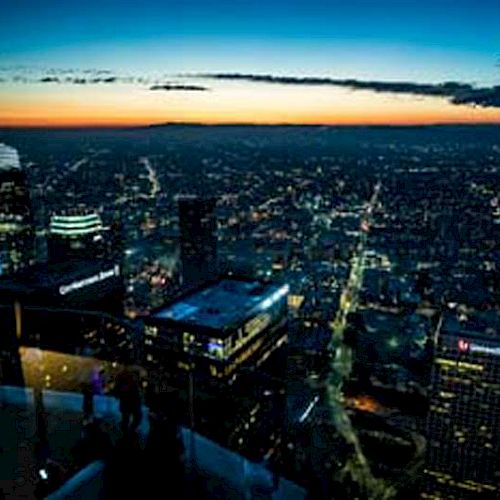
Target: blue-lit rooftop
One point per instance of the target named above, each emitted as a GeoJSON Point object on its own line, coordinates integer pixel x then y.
{"type": "Point", "coordinates": [229, 302]}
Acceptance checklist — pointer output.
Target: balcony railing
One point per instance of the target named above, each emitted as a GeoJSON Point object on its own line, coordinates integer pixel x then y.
{"type": "Point", "coordinates": [205, 462]}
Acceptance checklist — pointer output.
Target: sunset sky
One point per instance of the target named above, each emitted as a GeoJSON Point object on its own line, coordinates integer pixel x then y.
{"type": "Point", "coordinates": [112, 62]}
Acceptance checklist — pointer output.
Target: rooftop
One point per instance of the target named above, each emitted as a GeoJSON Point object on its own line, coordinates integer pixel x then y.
{"type": "Point", "coordinates": [229, 302]}
{"type": "Point", "coordinates": [479, 324]}
{"type": "Point", "coordinates": [211, 471]}
{"type": "Point", "coordinates": [48, 276]}
{"type": "Point", "coordinates": [9, 158]}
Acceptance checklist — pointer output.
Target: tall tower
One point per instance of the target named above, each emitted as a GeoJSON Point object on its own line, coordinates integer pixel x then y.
{"type": "Point", "coordinates": [463, 426]}
{"type": "Point", "coordinates": [16, 253]}
{"type": "Point", "coordinates": [198, 239]}
{"type": "Point", "coordinates": [75, 234]}
{"type": "Point", "coordinates": [16, 223]}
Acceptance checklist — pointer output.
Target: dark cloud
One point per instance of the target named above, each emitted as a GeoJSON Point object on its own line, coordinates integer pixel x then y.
{"type": "Point", "coordinates": [58, 75]}
{"type": "Point", "coordinates": [484, 97]}
{"type": "Point", "coordinates": [49, 79]}
{"type": "Point", "coordinates": [455, 92]}
{"type": "Point", "coordinates": [77, 80]}
{"type": "Point", "coordinates": [173, 87]}
{"type": "Point", "coordinates": [107, 79]}
{"type": "Point", "coordinates": [94, 77]}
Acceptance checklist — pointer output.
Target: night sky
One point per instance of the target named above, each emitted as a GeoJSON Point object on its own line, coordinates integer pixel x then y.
{"type": "Point", "coordinates": [111, 62]}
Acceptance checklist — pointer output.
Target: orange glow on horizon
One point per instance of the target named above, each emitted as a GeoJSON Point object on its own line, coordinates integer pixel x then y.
{"type": "Point", "coordinates": [75, 122]}
{"type": "Point", "coordinates": [123, 106]}
{"type": "Point", "coordinates": [63, 121]}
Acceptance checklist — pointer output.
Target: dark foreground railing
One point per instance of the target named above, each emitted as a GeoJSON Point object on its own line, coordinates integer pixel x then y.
{"type": "Point", "coordinates": [213, 469]}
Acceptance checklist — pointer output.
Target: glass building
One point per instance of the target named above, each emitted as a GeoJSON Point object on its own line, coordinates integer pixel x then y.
{"type": "Point", "coordinates": [225, 342]}
{"type": "Point", "coordinates": [198, 239]}
{"type": "Point", "coordinates": [16, 227]}
{"type": "Point", "coordinates": [75, 234]}
{"type": "Point", "coordinates": [463, 426]}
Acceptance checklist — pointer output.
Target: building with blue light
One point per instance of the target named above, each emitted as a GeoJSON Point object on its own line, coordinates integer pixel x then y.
{"type": "Point", "coordinates": [227, 337]}
{"type": "Point", "coordinates": [221, 327]}
{"type": "Point", "coordinates": [16, 224]}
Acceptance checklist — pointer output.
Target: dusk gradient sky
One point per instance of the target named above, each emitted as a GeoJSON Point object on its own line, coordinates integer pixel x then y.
{"type": "Point", "coordinates": [56, 54]}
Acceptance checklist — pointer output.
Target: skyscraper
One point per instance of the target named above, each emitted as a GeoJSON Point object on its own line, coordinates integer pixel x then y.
{"type": "Point", "coordinates": [16, 225]}
{"type": "Point", "coordinates": [229, 338]}
{"type": "Point", "coordinates": [463, 426]}
{"type": "Point", "coordinates": [198, 239]}
{"type": "Point", "coordinates": [16, 253]}
{"type": "Point", "coordinates": [75, 234]}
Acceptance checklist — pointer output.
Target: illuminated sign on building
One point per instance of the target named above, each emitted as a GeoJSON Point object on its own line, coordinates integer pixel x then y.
{"type": "Point", "coordinates": [96, 278]}
{"type": "Point", "coordinates": [75, 225]}
{"type": "Point", "coordinates": [463, 345]}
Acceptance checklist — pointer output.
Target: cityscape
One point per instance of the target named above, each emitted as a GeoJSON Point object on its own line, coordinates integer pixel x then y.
{"type": "Point", "coordinates": [237, 294]}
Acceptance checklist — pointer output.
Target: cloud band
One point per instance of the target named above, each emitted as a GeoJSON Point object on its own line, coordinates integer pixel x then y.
{"type": "Point", "coordinates": [455, 92]}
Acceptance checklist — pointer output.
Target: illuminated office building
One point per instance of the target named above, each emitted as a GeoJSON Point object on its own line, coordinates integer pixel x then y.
{"type": "Point", "coordinates": [198, 239]}
{"type": "Point", "coordinates": [463, 427]}
{"type": "Point", "coordinates": [64, 307]}
{"type": "Point", "coordinates": [75, 234]}
{"type": "Point", "coordinates": [228, 337]}
{"type": "Point", "coordinates": [16, 225]}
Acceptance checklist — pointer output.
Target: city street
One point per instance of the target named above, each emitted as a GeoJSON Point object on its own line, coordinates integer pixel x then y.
{"type": "Point", "coordinates": [342, 357]}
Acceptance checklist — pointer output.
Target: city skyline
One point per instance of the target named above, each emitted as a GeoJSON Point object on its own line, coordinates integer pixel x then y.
{"type": "Point", "coordinates": [303, 299]}
{"type": "Point", "coordinates": [250, 249]}
{"type": "Point", "coordinates": [124, 64]}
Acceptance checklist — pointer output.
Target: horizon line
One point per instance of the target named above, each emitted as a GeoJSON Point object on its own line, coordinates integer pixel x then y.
{"type": "Point", "coordinates": [243, 124]}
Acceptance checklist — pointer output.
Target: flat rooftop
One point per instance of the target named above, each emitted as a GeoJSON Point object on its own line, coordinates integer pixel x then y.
{"type": "Point", "coordinates": [227, 303]}
{"type": "Point", "coordinates": [47, 276]}
{"type": "Point", "coordinates": [216, 471]}
{"type": "Point", "coordinates": [478, 324]}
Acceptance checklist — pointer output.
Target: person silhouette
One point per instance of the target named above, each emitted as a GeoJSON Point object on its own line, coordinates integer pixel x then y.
{"type": "Point", "coordinates": [127, 390]}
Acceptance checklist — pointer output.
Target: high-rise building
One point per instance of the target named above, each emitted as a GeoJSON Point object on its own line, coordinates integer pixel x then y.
{"type": "Point", "coordinates": [16, 224]}
{"type": "Point", "coordinates": [75, 234]}
{"type": "Point", "coordinates": [114, 242]}
{"type": "Point", "coordinates": [228, 337]}
{"type": "Point", "coordinates": [198, 239]}
{"type": "Point", "coordinates": [66, 306]}
{"type": "Point", "coordinates": [463, 426]}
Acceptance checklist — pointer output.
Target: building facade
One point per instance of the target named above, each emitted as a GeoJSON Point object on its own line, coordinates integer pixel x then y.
{"type": "Point", "coordinates": [463, 426]}
{"type": "Point", "coordinates": [227, 340]}
{"type": "Point", "coordinates": [73, 307]}
{"type": "Point", "coordinates": [16, 224]}
{"type": "Point", "coordinates": [75, 234]}
{"type": "Point", "coordinates": [198, 239]}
